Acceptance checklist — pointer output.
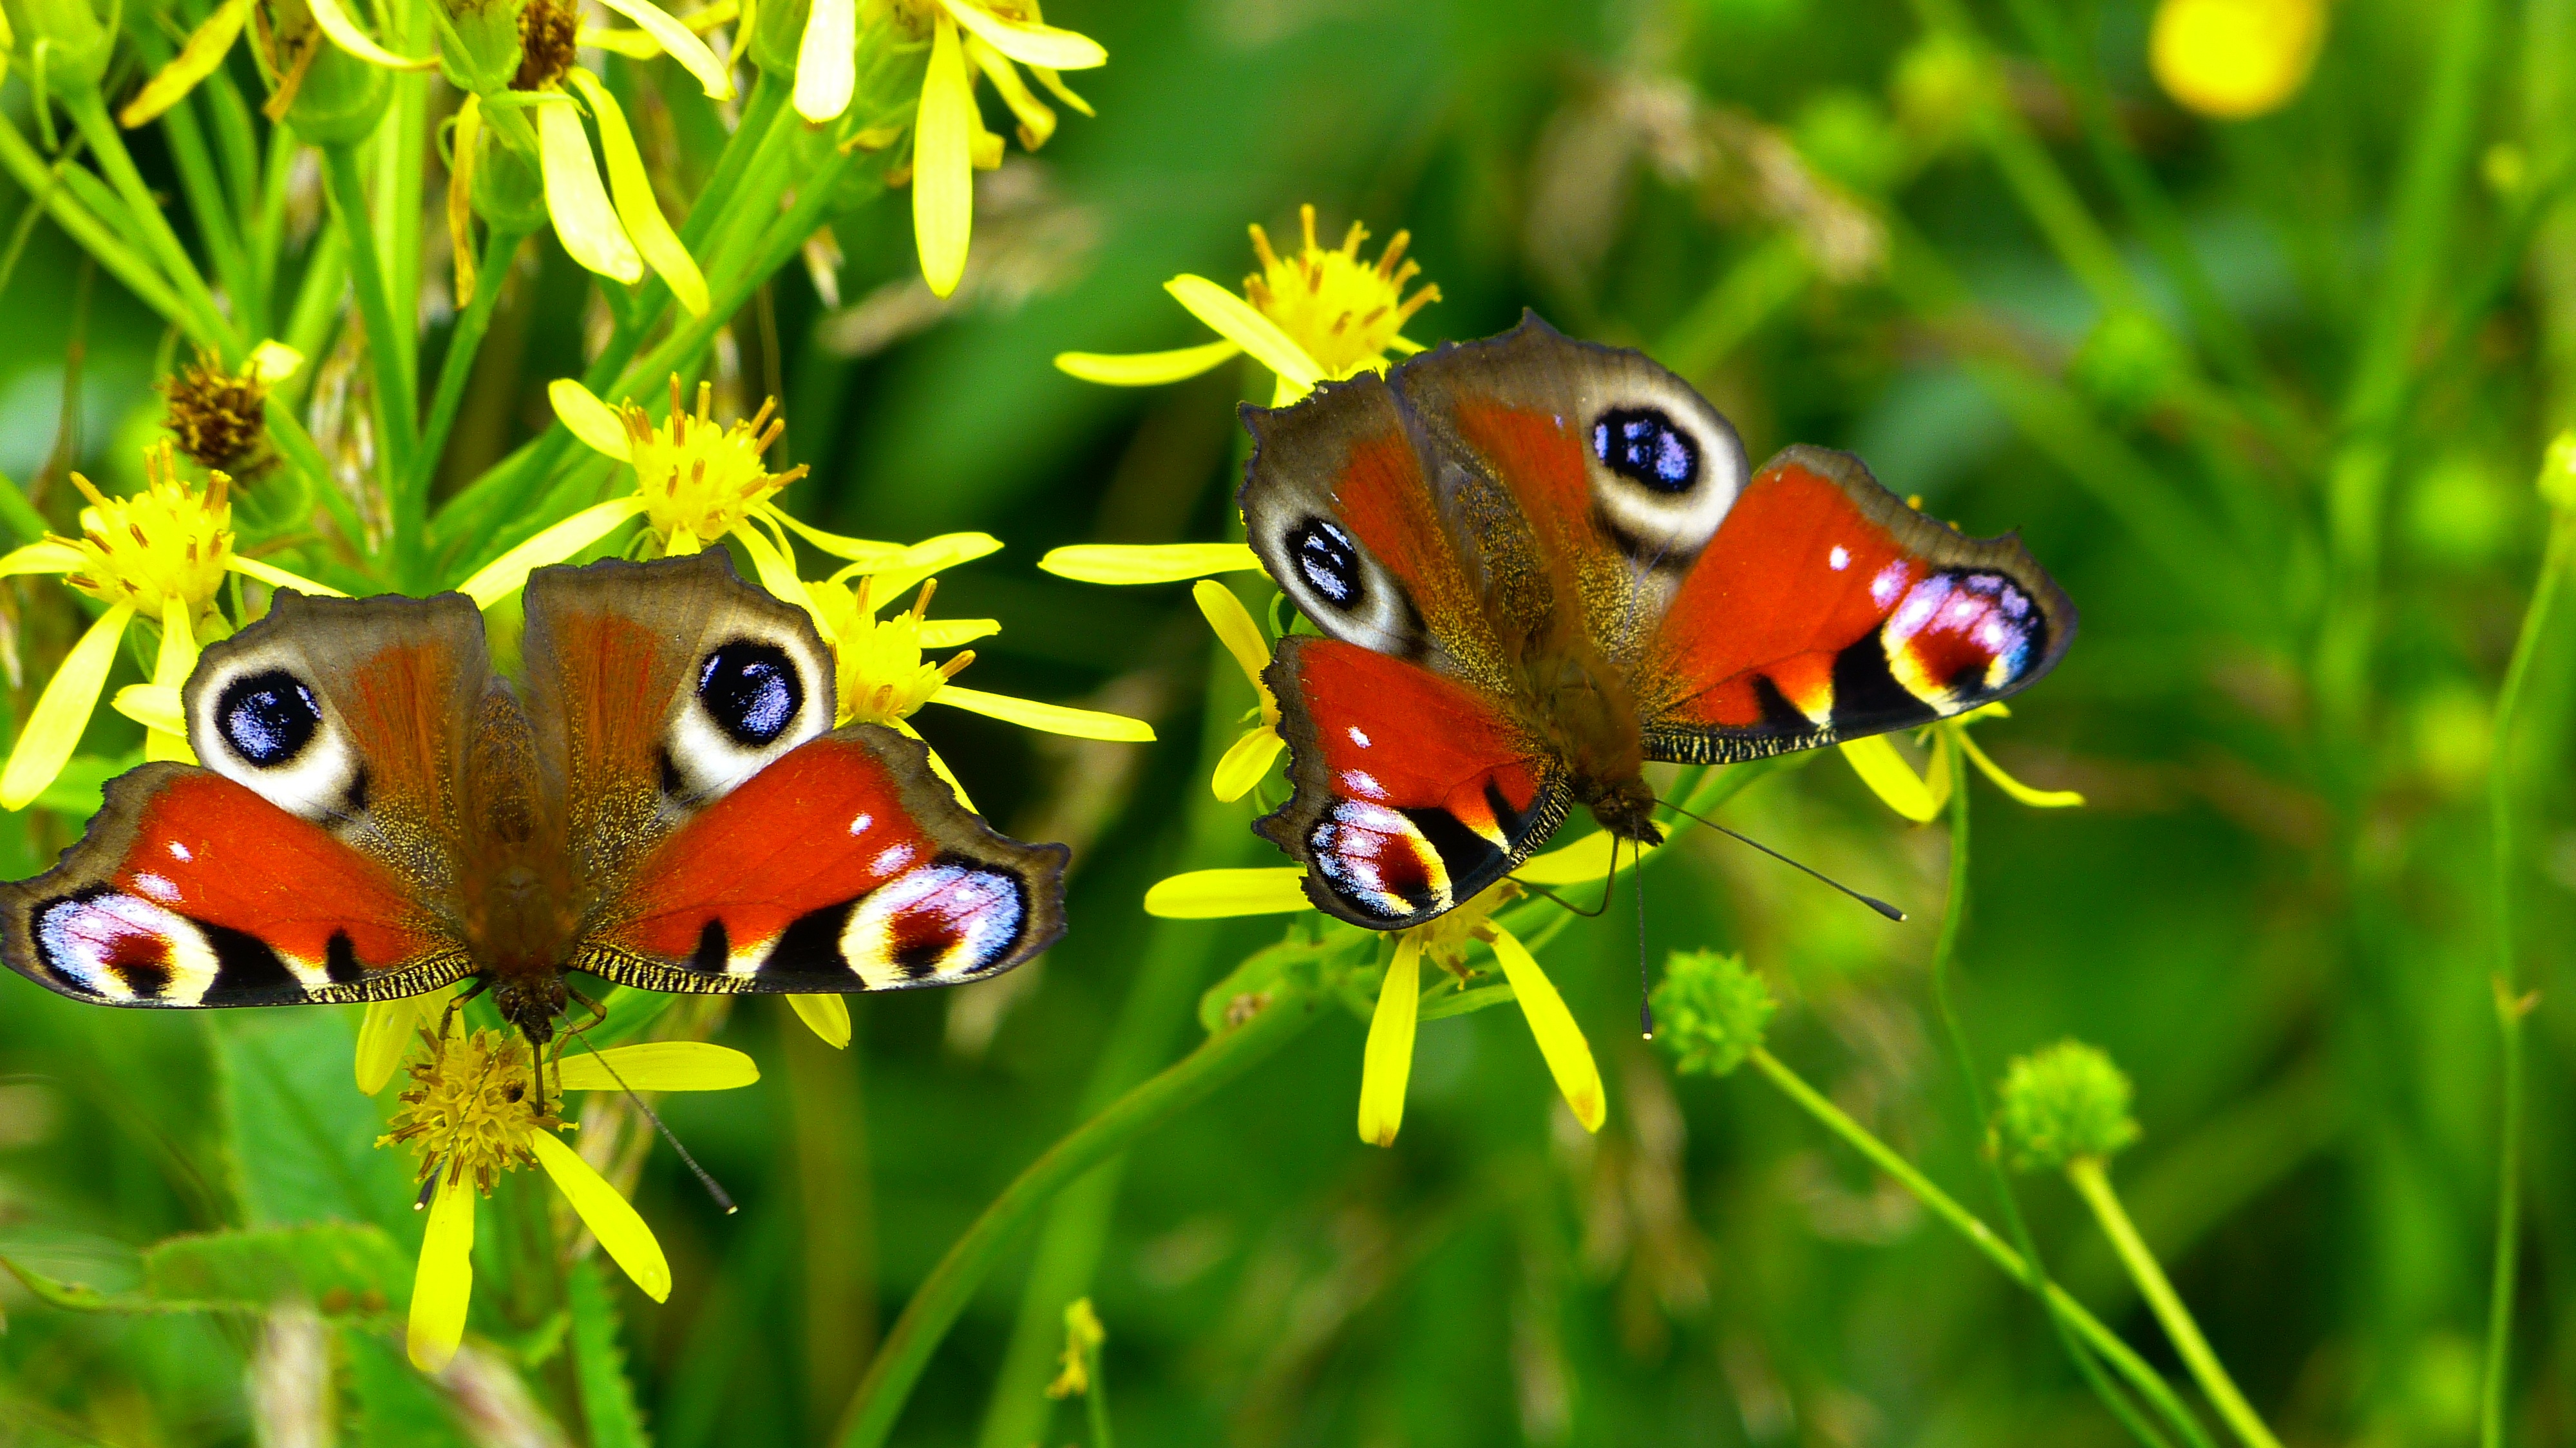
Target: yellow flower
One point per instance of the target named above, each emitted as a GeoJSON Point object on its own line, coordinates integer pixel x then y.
{"type": "Point", "coordinates": [1387, 1063]}
{"type": "Point", "coordinates": [1312, 316]}
{"type": "Point", "coordinates": [949, 141]}
{"type": "Point", "coordinates": [1249, 758]}
{"type": "Point", "coordinates": [475, 1110]}
{"type": "Point", "coordinates": [162, 553]}
{"type": "Point", "coordinates": [2235, 59]}
{"type": "Point", "coordinates": [697, 483]}
{"type": "Point", "coordinates": [212, 39]}
{"type": "Point", "coordinates": [1920, 797]}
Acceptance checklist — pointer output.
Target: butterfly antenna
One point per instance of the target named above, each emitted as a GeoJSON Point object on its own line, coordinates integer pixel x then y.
{"type": "Point", "coordinates": [714, 1189]}
{"type": "Point", "coordinates": [428, 1188]}
{"type": "Point", "coordinates": [1872, 901]}
{"type": "Point", "coordinates": [1609, 891]}
{"type": "Point", "coordinates": [1645, 991]}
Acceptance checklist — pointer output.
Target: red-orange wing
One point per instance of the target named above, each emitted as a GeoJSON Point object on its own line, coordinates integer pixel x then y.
{"type": "Point", "coordinates": [845, 865]}
{"type": "Point", "coordinates": [1826, 609]}
{"type": "Point", "coordinates": [191, 890]}
{"type": "Point", "coordinates": [1413, 791]}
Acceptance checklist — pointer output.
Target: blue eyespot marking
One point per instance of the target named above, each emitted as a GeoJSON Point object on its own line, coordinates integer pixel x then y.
{"type": "Point", "coordinates": [751, 690]}
{"type": "Point", "coordinates": [1642, 444]}
{"type": "Point", "coordinates": [1327, 561]}
{"type": "Point", "coordinates": [267, 718]}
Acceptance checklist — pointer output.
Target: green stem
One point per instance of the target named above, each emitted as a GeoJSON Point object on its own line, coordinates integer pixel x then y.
{"type": "Point", "coordinates": [500, 248]}
{"type": "Point", "coordinates": [49, 188]}
{"type": "Point", "coordinates": [1945, 956]}
{"type": "Point", "coordinates": [317, 305]}
{"type": "Point", "coordinates": [2094, 1185]}
{"type": "Point", "coordinates": [2510, 1005]}
{"type": "Point", "coordinates": [268, 230]}
{"type": "Point", "coordinates": [934, 1307]}
{"type": "Point", "coordinates": [296, 446]}
{"type": "Point", "coordinates": [1966, 1223]}
{"type": "Point", "coordinates": [346, 184]}
{"type": "Point", "coordinates": [206, 320]}
{"type": "Point", "coordinates": [19, 515]}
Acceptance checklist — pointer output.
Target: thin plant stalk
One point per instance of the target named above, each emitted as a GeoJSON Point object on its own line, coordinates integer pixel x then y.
{"type": "Point", "coordinates": [345, 182]}
{"type": "Point", "coordinates": [2511, 1005]}
{"type": "Point", "coordinates": [500, 248]}
{"type": "Point", "coordinates": [933, 1309]}
{"type": "Point", "coordinates": [205, 321]}
{"type": "Point", "coordinates": [2094, 1185]}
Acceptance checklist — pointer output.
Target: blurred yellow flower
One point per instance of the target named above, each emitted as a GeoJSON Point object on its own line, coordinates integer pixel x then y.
{"type": "Point", "coordinates": [1250, 757]}
{"type": "Point", "coordinates": [477, 1109]}
{"type": "Point", "coordinates": [2235, 59]}
{"type": "Point", "coordinates": [1921, 797]}
{"type": "Point", "coordinates": [949, 141]}
{"type": "Point", "coordinates": [162, 553]}
{"type": "Point", "coordinates": [1313, 316]}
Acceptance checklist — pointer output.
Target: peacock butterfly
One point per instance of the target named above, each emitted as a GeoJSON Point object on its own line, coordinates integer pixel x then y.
{"type": "Point", "coordinates": [663, 802]}
{"type": "Point", "coordinates": [1540, 564]}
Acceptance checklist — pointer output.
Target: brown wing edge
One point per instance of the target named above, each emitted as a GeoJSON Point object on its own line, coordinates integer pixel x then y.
{"type": "Point", "coordinates": [959, 830]}
{"type": "Point", "coordinates": [1291, 824]}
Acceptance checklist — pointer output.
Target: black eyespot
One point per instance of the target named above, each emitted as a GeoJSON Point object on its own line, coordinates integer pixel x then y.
{"type": "Point", "coordinates": [1643, 444]}
{"type": "Point", "coordinates": [752, 691]}
{"type": "Point", "coordinates": [267, 718]}
{"type": "Point", "coordinates": [1327, 561]}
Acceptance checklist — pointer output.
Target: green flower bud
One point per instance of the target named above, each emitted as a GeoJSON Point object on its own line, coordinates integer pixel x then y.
{"type": "Point", "coordinates": [1710, 1011]}
{"type": "Point", "coordinates": [2063, 1103]}
{"type": "Point", "coordinates": [509, 189]}
{"type": "Point", "coordinates": [2558, 473]}
{"type": "Point", "coordinates": [777, 29]}
{"type": "Point", "coordinates": [2129, 363]}
{"type": "Point", "coordinates": [341, 99]}
{"type": "Point", "coordinates": [478, 46]}
{"type": "Point", "coordinates": [77, 41]}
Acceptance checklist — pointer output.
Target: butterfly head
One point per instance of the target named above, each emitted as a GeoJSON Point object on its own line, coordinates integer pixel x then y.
{"type": "Point", "coordinates": [1625, 807]}
{"type": "Point", "coordinates": [531, 1001]}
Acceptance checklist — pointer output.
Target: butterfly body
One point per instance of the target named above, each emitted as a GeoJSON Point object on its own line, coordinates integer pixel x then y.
{"type": "Point", "coordinates": [1539, 565]}
{"type": "Point", "coordinates": [661, 801]}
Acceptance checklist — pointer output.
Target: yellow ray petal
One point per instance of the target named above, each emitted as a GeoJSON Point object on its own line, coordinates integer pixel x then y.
{"type": "Point", "coordinates": [827, 1016]}
{"type": "Point", "coordinates": [344, 33]}
{"type": "Point", "coordinates": [948, 633]}
{"type": "Point", "coordinates": [1221, 894]}
{"type": "Point", "coordinates": [772, 568]}
{"type": "Point", "coordinates": [2035, 798]}
{"type": "Point", "coordinates": [680, 43]}
{"type": "Point", "coordinates": [1234, 627]}
{"type": "Point", "coordinates": [938, 766]}
{"type": "Point", "coordinates": [444, 1281]}
{"type": "Point", "coordinates": [154, 706]}
{"type": "Point", "coordinates": [1560, 1040]}
{"type": "Point", "coordinates": [895, 580]}
{"type": "Point", "coordinates": [1050, 718]}
{"type": "Point", "coordinates": [171, 665]}
{"type": "Point", "coordinates": [1236, 320]}
{"type": "Point", "coordinates": [45, 556]}
{"type": "Point", "coordinates": [621, 1232]}
{"type": "Point", "coordinates": [1387, 1063]}
{"type": "Point", "coordinates": [1026, 41]}
{"type": "Point", "coordinates": [827, 60]}
{"type": "Point", "coordinates": [385, 1033]}
{"type": "Point", "coordinates": [584, 221]}
{"type": "Point", "coordinates": [54, 726]}
{"type": "Point", "coordinates": [1246, 763]}
{"type": "Point", "coordinates": [272, 361]}
{"type": "Point", "coordinates": [1585, 862]}
{"type": "Point", "coordinates": [865, 550]}
{"type": "Point", "coordinates": [659, 1066]}
{"type": "Point", "coordinates": [588, 418]}
{"type": "Point", "coordinates": [276, 577]}
{"type": "Point", "coordinates": [1146, 369]}
{"type": "Point", "coordinates": [637, 207]}
{"type": "Point", "coordinates": [494, 580]}
{"type": "Point", "coordinates": [1890, 777]}
{"type": "Point", "coordinates": [1055, 84]}
{"type": "Point", "coordinates": [617, 40]}
{"type": "Point", "coordinates": [195, 61]}
{"type": "Point", "coordinates": [1037, 121]}
{"type": "Point", "coordinates": [943, 179]}
{"type": "Point", "coordinates": [1124, 563]}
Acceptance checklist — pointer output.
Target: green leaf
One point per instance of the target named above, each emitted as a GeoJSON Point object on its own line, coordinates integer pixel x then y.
{"type": "Point", "coordinates": [599, 1364]}
{"type": "Point", "coordinates": [395, 1407]}
{"type": "Point", "coordinates": [1259, 973]}
{"type": "Point", "coordinates": [340, 1267]}
{"type": "Point", "coordinates": [302, 1138]}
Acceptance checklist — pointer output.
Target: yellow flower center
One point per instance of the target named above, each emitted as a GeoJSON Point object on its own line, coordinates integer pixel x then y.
{"type": "Point", "coordinates": [171, 540]}
{"type": "Point", "coordinates": [878, 669]}
{"type": "Point", "coordinates": [1444, 941]}
{"type": "Point", "coordinates": [1344, 311]}
{"type": "Point", "coordinates": [472, 1110]}
{"type": "Point", "coordinates": [699, 479]}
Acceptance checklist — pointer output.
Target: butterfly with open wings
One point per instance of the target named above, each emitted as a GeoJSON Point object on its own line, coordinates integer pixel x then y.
{"type": "Point", "coordinates": [661, 802]}
{"type": "Point", "coordinates": [1539, 564]}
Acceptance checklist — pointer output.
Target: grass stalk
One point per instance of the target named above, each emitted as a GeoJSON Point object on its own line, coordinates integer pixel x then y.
{"type": "Point", "coordinates": [500, 248]}
{"type": "Point", "coordinates": [206, 321]}
{"type": "Point", "coordinates": [2093, 1184]}
{"type": "Point", "coordinates": [346, 185]}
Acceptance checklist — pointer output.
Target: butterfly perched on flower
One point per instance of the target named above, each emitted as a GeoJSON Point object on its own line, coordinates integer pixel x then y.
{"type": "Point", "coordinates": [1539, 564]}
{"type": "Point", "coordinates": [660, 801]}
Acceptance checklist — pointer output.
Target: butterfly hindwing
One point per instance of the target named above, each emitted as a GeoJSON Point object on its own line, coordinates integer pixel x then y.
{"type": "Point", "coordinates": [846, 865]}
{"type": "Point", "coordinates": [190, 889]}
{"type": "Point", "coordinates": [1412, 791]}
{"type": "Point", "coordinates": [1826, 609]}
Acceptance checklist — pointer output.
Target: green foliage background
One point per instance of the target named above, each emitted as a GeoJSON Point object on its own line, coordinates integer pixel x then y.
{"type": "Point", "coordinates": [2266, 397]}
